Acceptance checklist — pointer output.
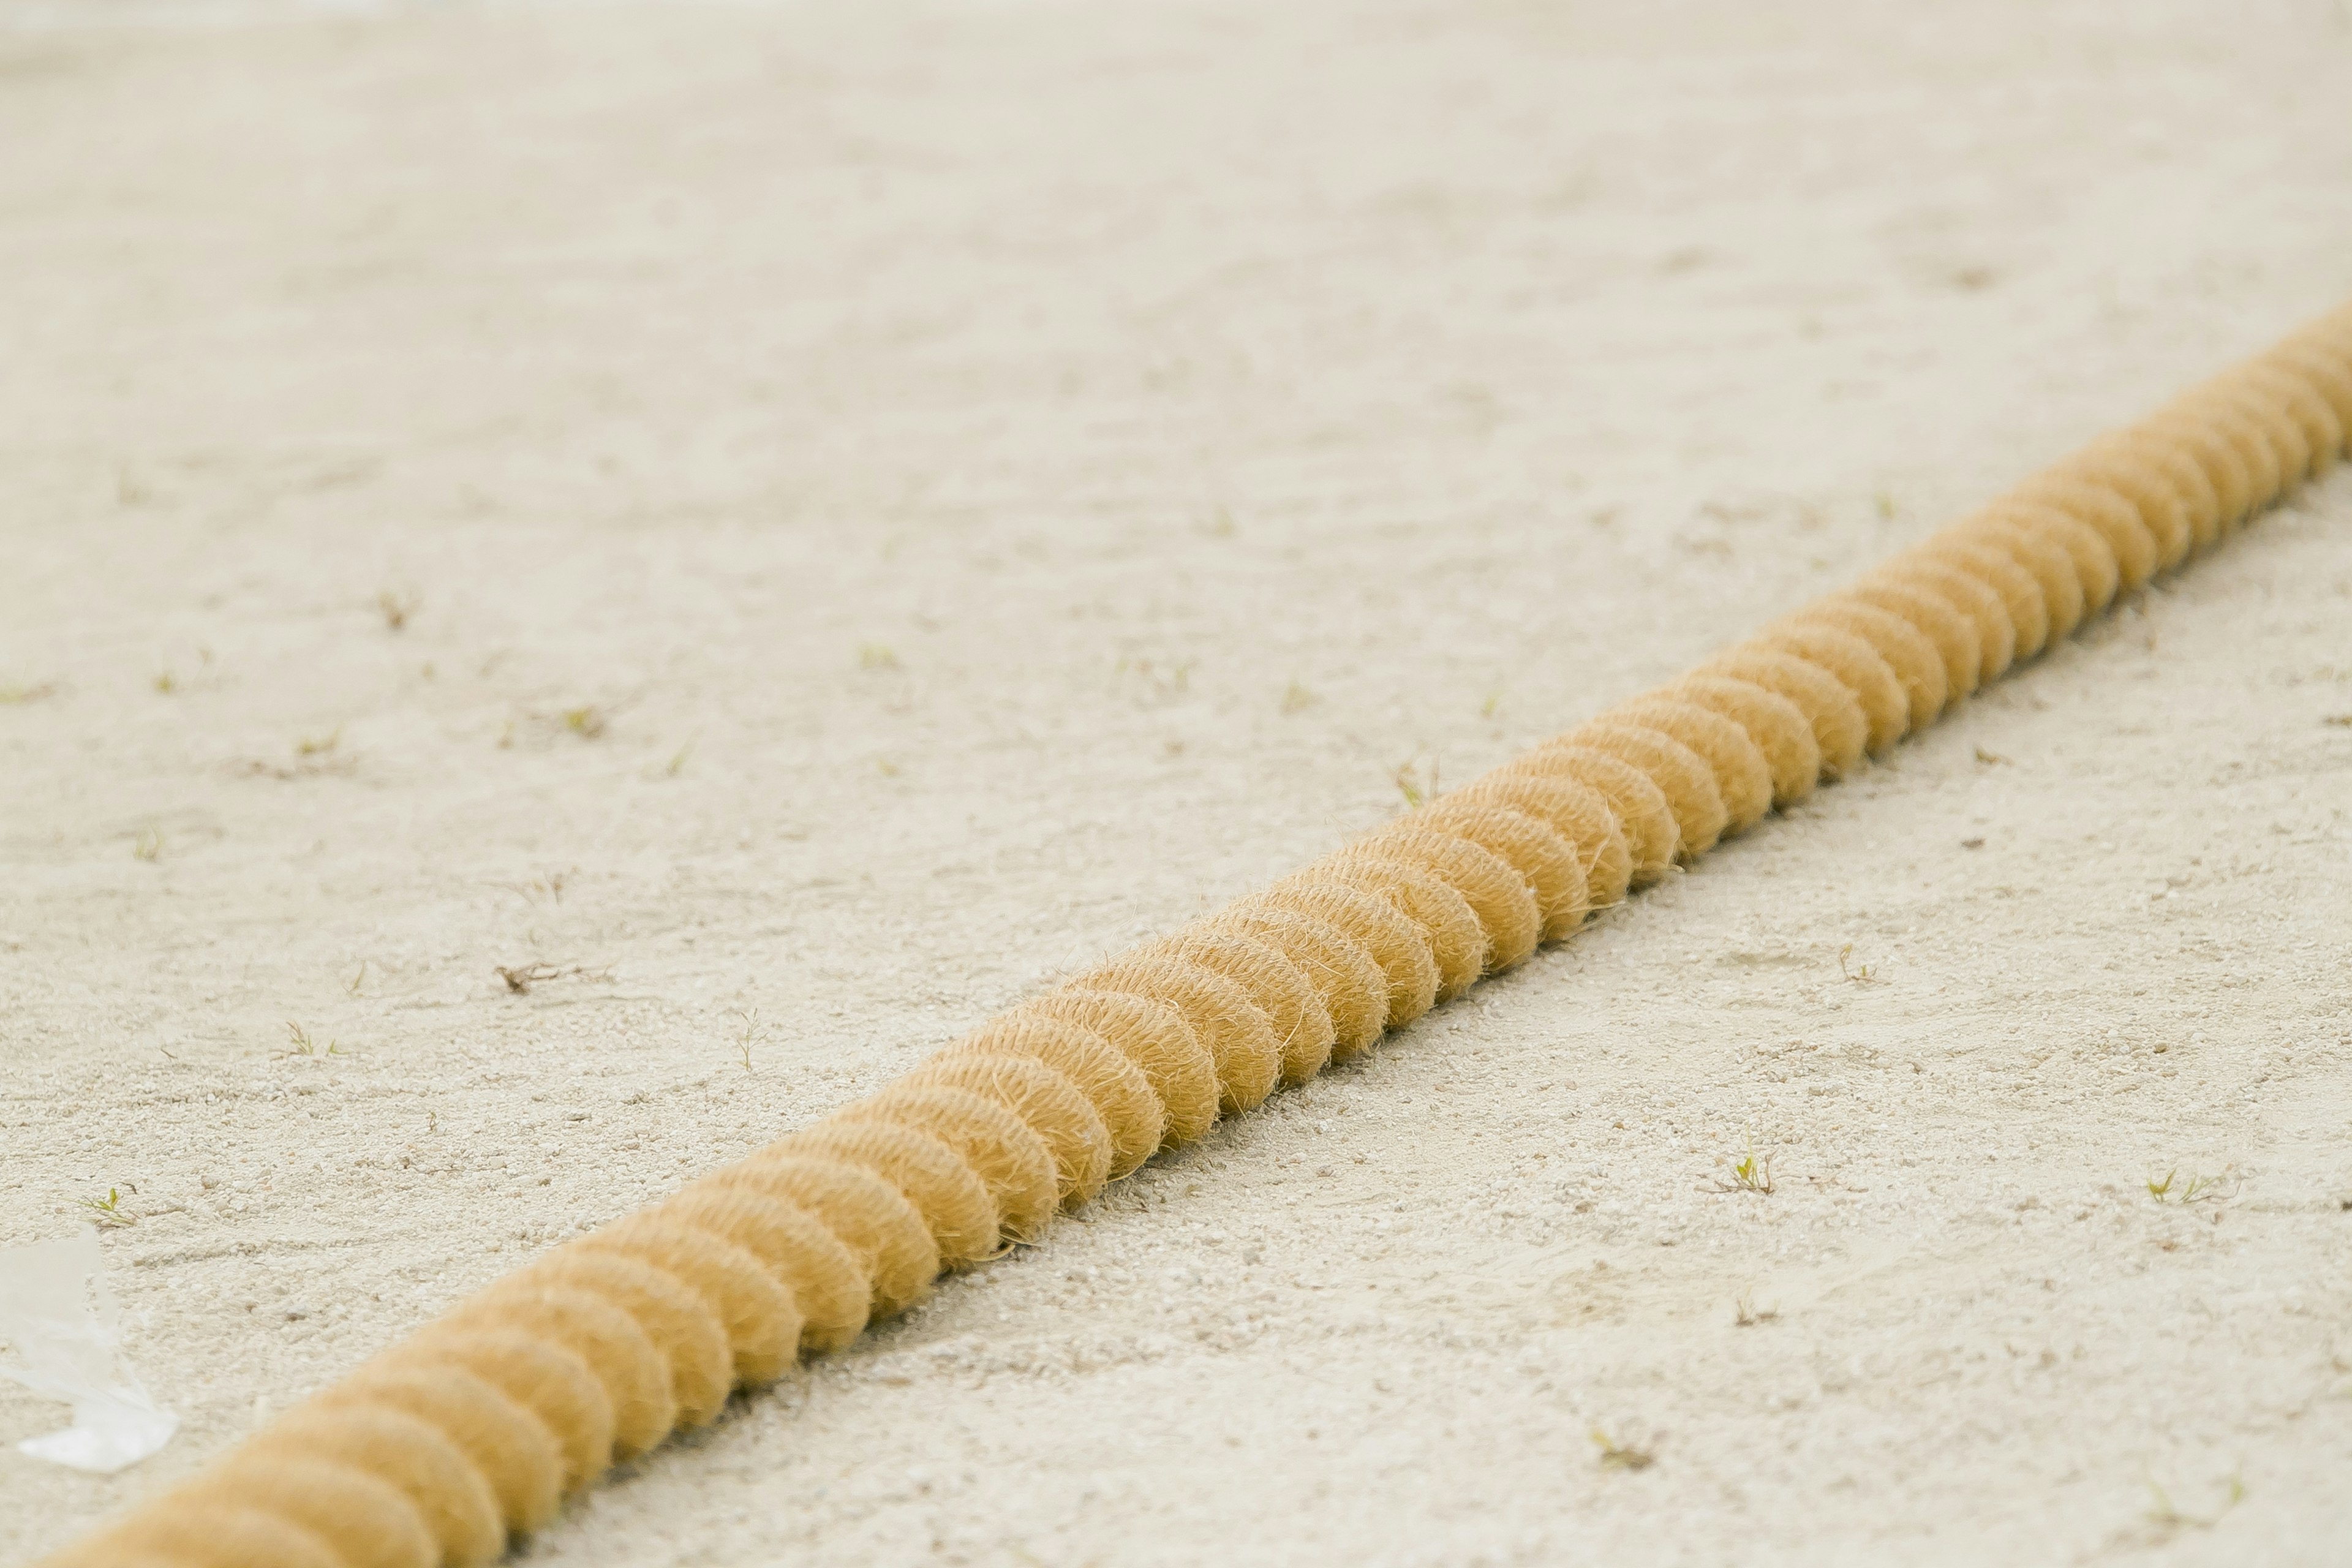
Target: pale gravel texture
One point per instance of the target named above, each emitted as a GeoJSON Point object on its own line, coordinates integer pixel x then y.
{"type": "Point", "coordinates": [937, 440]}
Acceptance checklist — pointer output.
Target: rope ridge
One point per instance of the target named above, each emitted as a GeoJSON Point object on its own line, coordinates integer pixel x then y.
{"type": "Point", "coordinates": [450, 1445]}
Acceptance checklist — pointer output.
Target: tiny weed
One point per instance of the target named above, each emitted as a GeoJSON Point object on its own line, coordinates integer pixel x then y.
{"type": "Point", "coordinates": [314, 758]}
{"type": "Point", "coordinates": [677, 761]}
{"type": "Point", "coordinates": [586, 722]}
{"type": "Point", "coordinates": [359, 977]}
{"type": "Point", "coordinates": [108, 1211]}
{"type": "Point", "coordinates": [1860, 974]}
{"type": "Point", "coordinates": [1297, 698]}
{"type": "Point", "coordinates": [750, 1033]}
{"type": "Point", "coordinates": [547, 885]}
{"type": "Point", "coordinates": [395, 608]}
{"type": "Point", "coordinates": [1752, 1175]}
{"type": "Point", "coordinates": [1621, 1456]}
{"type": "Point", "coordinates": [1492, 705]}
{"type": "Point", "coordinates": [876, 655]}
{"type": "Point", "coordinates": [149, 846]}
{"type": "Point", "coordinates": [1747, 1314]}
{"type": "Point", "coordinates": [2171, 1190]}
{"type": "Point", "coordinates": [1410, 783]}
{"type": "Point", "coordinates": [1884, 502]}
{"type": "Point", "coordinates": [300, 1044]}
{"type": "Point", "coordinates": [166, 682]}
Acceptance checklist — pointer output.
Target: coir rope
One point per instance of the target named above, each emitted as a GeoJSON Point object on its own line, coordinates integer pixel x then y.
{"type": "Point", "coordinates": [449, 1445]}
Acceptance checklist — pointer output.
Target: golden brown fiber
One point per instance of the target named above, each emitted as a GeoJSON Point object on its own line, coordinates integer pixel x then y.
{"type": "Point", "coordinates": [1238, 1034]}
{"type": "Point", "coordinates": [1155, 1036]}
{"type": "Point", "coordinates": [1351, 982]}
{"type": "Point", "coordinates": [1840, 730]}
{"type": "Point", "coordinates": [1918, 664]}
{"type": "Point", "coordinates": [1048, 1100]}
{"type": "Point", "coordinates": [507, 1445]}
{"type": "Point", "coordinates": [677, 1322]}
{"type": "Point", "coordinates": [2056, 569]}
{"type": "Point", "coordinates": [442, 1449]}
{"type": "Point", "coordinates": [1985, 610]}
{"type": "Point", "coordinates": [1121, 1095]}
{"type": "Point", "coordinates": [2024, 605]}
{"type": "Point", "coordinates": [948, 1193]}
{"type": "Point", "coordinates": [1447, 926]}
{"type": "Point", "coordinates": [1004, 1151]}
{"type": "Point", "coordinates": [2200, 465]}
{"type": "Point", "coordinates": [1545, 861]}
{"type": "Point", "coordinates": [1399, 947]}
{"type": "Point", "coordinates": [1682, 775]}
{"type": "Point", "coordinates": [2278, 427]}
{"type": "Point", "coordinates": [2239, 464]}
{"type": "Point", "coordinates": [1775, 727]}
{"type": "Point", "coordinates": [760, 1319]}
{"type": "Point", "coordinates": [365, 1519]}
{"type": "Point", "coordinates": [1579, 814]}
{"type": "Point", "coordinates": [1498, 896]}
{"type": "Point", "coordinates": [2107, 514]}
{"type": "Point", "coordinates": [2162, 511]}
{"type": "Point", "coordinates": [1277, 988]}
{"type": "Point", "coordinates": [1935, 618]}
{"type": "Point", "coordinates": [639, 1408]}
{"type": "Point", "coordinates": [1854, 664]}
{"type": "Point", "coordinates": [872, 1218]}
{"type": "Point", "coordinates": [2330, 378]}
{"type": "Point", "coordinates": [547, 1378]}
{"type": "Point", "coordinates": [453, 1500]}
{"type": "Point", "coordinates": [1743, 774]}
{"type": "Point", "coordinates": [1653, 838]}
{"type": "Point", "coordinates": [190, 1530]}
{"type": "Point", "coordinates": [828, 1282]}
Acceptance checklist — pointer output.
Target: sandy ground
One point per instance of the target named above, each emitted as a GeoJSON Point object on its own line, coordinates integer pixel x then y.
{"type": "Point", "coordinates": [891, 503]}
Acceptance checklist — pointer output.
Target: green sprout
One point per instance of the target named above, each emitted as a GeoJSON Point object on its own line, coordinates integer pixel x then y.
{"type": "Point", "coordinates": [108, 1211]}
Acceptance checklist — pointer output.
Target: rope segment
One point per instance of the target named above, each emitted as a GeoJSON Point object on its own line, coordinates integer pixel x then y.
{"type": "Point", "coordinates": [451, 1445]}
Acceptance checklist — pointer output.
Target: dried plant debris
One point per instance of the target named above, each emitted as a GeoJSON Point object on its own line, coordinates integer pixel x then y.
{"type": "Point", "coordinates": [522, 979]}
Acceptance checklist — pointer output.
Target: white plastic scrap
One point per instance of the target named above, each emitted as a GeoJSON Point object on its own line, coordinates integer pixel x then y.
{"type": "Point", "coordinates": [59, 1319]}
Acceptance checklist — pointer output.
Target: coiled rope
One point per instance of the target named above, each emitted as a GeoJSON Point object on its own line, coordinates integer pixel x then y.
{"type": "Point", "coordinates": [447, 1448]}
